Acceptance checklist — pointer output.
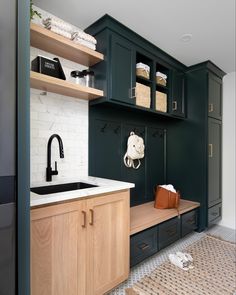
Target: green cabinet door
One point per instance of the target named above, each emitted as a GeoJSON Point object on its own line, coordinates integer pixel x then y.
{"type": "Point", "coordinates": [214, 97]}
{"type": "Point", "coordinates": [122, 62]}
{"type": "Point", "coordinates": [214, 162]}
{"type": "Point", "coordinates": [177, 104]}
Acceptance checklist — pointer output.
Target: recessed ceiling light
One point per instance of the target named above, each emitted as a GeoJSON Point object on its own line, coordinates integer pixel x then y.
{"type": "Point", "coordinates": [186, 37]}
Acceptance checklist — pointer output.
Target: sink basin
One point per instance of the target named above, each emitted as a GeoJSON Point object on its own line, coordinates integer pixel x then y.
{"type": "Point", "coordinates": [59, 188]}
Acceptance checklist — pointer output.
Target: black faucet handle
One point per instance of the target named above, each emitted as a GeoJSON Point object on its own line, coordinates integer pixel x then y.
{"type": "Point", "coordinates": [55, 172]}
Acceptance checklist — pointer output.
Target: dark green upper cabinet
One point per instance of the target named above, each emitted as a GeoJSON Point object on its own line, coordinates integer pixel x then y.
{"type": "Point", "coordinates": [122, 65]}
{"type": "Point", "coordinates": [214, 97]}
{"type": "Point", "coordinates": [177, 100]}
{"type": "Point", "coordinates": [116, 75]}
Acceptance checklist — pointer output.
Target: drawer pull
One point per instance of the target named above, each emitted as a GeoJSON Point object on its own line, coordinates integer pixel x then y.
{"type": "Point", "coordinates": [84, 219]}
{"type": "Point", "coordinates": [91, 216]}
{"type": "Point", "coordinates": [171, 232]}
{"type": "Point", "coordinates": [211, 107]}
{"type": "Point", "coordinates": [144, 246]}
{"type": "Point", "coordinates": [210, 150]}
{"type": "Point", "coordinates": [191, 221]}
{"type": "Point", "coordinates": [174, 105]}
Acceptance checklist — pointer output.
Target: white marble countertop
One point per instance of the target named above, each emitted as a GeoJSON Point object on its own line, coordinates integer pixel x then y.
{"type": "Point", "coordinates": [103, 186]}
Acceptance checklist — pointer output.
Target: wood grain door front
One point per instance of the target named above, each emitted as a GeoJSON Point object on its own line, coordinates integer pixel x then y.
{"type": "Point", "coordinates": [108, 242]}
{"type": "Point", "coordinates": [58, 250]}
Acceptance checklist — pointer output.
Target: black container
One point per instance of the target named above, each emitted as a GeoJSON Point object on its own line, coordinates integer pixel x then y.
{"type": "Point", "coordinates": [47, 66]}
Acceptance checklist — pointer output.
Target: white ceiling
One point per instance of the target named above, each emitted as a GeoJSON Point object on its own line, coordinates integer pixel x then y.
{"type": "Point", "coordinates": [163, 22]}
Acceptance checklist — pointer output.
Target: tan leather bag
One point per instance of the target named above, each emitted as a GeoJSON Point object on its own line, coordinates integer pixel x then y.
{"type": "Point", "coordinates": [165, 199]}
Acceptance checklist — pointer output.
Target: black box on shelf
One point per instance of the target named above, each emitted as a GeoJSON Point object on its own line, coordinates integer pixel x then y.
{"type": "Point", "coordinates": [48, 66]}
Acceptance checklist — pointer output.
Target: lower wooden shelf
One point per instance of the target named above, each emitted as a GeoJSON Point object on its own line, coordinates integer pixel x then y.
{"type": "Point", "coordinates": [145, 215]}
{"type": "Point", "coordinates": [51, 84]}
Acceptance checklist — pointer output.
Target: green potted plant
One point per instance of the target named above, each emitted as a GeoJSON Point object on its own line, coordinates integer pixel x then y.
{"type": "Point", "coordinates": [33, 12]}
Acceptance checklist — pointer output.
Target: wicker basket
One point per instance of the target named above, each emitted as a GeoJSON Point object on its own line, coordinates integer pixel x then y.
{"type": "Point", "coordinates": [161, 101]}
{"type": "Point", "coordinates": [142, 70]}
{"type": "Point", "coordinates": [143, 95]}
{"type": "Point", "coordinates": [161, 81]}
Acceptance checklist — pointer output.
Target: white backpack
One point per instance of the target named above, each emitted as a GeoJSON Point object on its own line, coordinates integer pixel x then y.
{"type": "Point", "coordinates": [135, 151]}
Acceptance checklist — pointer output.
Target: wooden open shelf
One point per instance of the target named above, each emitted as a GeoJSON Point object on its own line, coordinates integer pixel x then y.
{"type": "Point", "coordinates": [145, 215]}
{"type": "Point", "coordinates": [51, 84]}
{"type": "Point", "coordinates": [48, 41]}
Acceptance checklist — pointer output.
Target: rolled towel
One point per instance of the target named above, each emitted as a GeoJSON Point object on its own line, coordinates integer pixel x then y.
{"type": "Point", "coordinates": [55, 22]}
{"type": "Point", "coordinates": [59, 31]}
{"type": "Point", "coordinates": [85, 43]}
{"type": "Point", "coordinates": [82, 35]}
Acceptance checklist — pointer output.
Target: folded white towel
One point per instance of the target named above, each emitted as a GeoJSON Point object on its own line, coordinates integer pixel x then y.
{"type": "Point", "coordinates": [85, 43]}
{"type": "Point", "coordinates": [169, 187]}
{"type": "Point", "coordinates": [82, 35]}
{"type": "Point", "coordinates": [59, 31]}
{"type": "Point", "coordinates": [55, 22]}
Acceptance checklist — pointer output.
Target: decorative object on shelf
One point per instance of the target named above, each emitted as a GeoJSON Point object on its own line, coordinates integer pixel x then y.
{"type": "Point", "coordinates": [161, 101]}
{"type": "Point", "coordinates": [135, 151]}
{"type": "Point", "coordinates": [166, 197]}
{"type": "Point", "coordinates": [33, 12]}
{"type": "Point", "coordinates": [142, 70]}
{"type": "Point", "coordinates": [48, 66]}
{"type": "Point", "coordinates": [88, 78]}
{"type": "Point", "coordinates": [82, 38]}
{"type": "Point", "coordinates": [161, 78]}
{"type": "Point", "coordinates": [143, 95]}
{"type": "Point", "coordinates": [78, 77]}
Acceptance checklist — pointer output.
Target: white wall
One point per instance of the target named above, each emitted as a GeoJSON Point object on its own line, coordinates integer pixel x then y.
{"type": "Point", "coordinates": [229, 132]}
{"type": "Point", "coordinates": [66, 116]}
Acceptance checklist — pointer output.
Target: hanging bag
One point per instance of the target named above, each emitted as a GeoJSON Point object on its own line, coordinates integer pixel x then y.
{"type": "Point", "coordinates": [135, 151]}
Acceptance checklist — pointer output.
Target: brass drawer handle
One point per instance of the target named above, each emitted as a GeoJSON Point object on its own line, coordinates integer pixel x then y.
{"type": "Point", "coordinates": [84, 219]}
{"type": "Point", "coordinates": [144, 246]}
{"type": "Point", "coordinates": [211, 108]}
{"type": "Point", "coordinates": [210, 147]}
{"type": "Point", "coordinates": [191, 221]}
{"type": "Point", "coordinates": [174, 105]}
{"type": "Point", "coordinates": [171, 232]}
{"type": "Point", "coordinates": [91, 216]}
{"type": "Point", "coordinates": [132, 93]}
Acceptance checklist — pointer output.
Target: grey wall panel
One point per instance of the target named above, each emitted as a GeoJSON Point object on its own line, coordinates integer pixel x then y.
{"type": "Point", "coordinates": [7, 86]}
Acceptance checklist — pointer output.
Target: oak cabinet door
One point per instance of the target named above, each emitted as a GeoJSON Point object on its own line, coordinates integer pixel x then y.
{"type": "Point", "coordinates": [108, 242]}
{"type": "Point", "coordinates": [58, 250]}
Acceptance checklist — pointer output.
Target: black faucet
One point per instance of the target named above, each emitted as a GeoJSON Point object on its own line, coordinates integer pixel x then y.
{"type": "Point", "coordinates": [49, 171]}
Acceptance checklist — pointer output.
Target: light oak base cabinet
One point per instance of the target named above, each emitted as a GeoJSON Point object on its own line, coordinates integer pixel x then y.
{"type": "Point", "coordinates": [80, 247]}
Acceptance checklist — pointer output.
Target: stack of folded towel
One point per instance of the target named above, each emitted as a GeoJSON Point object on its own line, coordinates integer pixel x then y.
{"type": "Point", "coordinates": [59, 27]}
{"type": "Point", "coordinates": [84, 39]}
{"type": "Point", "coordinates": [66, 30]}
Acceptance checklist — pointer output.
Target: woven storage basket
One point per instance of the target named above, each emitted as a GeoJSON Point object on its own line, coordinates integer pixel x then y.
{"type": "Point", "coordinates": [161, 81]}
{"type": "Point", "coordinates": [161, 101]}
{"type": "Point", "coordinates": [143, 95]}
{"type": "Point", "coordinates": [142, 70]}
{"type": "Point", "coordinates": [142, 73]}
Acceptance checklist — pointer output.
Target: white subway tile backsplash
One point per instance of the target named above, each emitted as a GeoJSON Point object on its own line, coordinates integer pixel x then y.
{"type": "Point", "coordinates": [67, 116]}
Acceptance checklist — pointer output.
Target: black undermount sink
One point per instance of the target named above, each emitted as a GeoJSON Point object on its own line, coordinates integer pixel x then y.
{"type": "Point", "coordinates": [59, 188]}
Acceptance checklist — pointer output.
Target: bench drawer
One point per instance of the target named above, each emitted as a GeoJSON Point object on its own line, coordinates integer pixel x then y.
{"type": "Point", "coordinates": [214, 214]}
{"type": "Point", "coordinates": [169, 232]}
{"type": "Point", "coordinates": [143, 245]}
{"type": "Point", "coordinates": [189, 222]}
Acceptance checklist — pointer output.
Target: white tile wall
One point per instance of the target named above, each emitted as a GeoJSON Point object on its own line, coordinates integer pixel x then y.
{"type": "Point", "coordinates": [66, 116]}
